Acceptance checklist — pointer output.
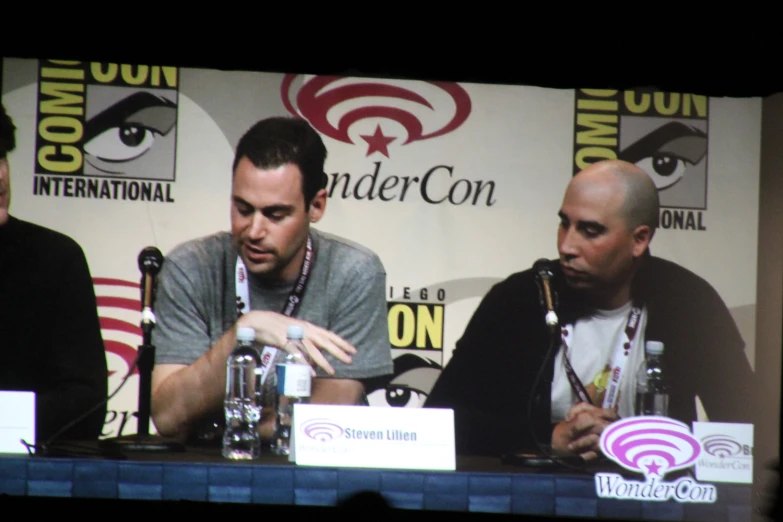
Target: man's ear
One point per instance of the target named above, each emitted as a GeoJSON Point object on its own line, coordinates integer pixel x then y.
{"type": "Point", "coordinates": [317, 206]}
{"type": "Point", "coordinates": [641, 239]}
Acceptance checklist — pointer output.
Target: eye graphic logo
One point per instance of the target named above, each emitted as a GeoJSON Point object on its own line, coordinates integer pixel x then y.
{"type": "Point", "coordinates": [119, 309]}
{"type": "Point", "coordinates": [653, 446]}
{"type": "Point", "coordinates": [322, 430]}
{"type": "Point", "coordinates": [323, 100]}
{"type": "Point", "coordinates": [721, 446]}
{"type": "Point", "coordinates": [663, 133]}
{"type": "Point", "coordinates": [107, 120]}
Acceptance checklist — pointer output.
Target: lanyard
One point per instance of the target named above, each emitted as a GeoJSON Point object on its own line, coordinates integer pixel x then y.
{"type": "Point", "coordinates": [621, 354]}
{"type": "Point", "coordinates": [291, 304]}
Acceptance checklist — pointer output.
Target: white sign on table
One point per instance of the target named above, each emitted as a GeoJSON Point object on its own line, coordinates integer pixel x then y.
{"type": "Point", "coordinates": [17, 420]}
{"type": "Point", "coordinates": [373, 437]}
{"type": "Point", "coordinates": [727, 452]}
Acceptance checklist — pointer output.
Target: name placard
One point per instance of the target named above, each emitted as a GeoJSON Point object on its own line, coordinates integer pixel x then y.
{"type": "Point", "coordinates": [727, 454]}
{"type": "Point", "coordinates": [17, 421]}
{"type": "Point", "coordinates": [373, 437]}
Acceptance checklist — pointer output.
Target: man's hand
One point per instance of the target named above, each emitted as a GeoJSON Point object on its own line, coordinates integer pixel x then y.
{"type": "Point", "coordinates": [271, 330]}
{"type": "Point", "coordinates": [581, 430]}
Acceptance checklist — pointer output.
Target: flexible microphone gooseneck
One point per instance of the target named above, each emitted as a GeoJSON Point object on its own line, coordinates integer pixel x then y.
{"type": "Point", "coordinates": [544, 276]}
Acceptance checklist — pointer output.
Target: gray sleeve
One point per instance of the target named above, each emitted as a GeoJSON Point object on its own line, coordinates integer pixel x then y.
{"type": "Point", "coordinates": [360, 317]}
{"type": "Point", "coordinates": [181, 333]}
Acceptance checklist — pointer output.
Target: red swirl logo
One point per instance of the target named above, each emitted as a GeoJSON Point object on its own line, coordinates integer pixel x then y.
{"type": "Point", "coordinates": [119, 312]}
{"type": "Point", "coordinates": [650, 445]}
{"type": "Point", "coordinates": [322, 430]}
{"type": "Point", "coordinates": [333, 104]}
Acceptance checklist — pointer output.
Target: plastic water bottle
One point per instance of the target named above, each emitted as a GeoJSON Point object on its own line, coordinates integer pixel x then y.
{"type": "Point", "coordinates": [242, 405]}
{"type": "Point", "coordinates": [652, 392]}
{"type": "Point", "coordinates": [294, 383]}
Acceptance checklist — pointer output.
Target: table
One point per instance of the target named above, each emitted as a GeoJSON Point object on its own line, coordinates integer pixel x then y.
{"type": "Point", "coordinates": [479, 485]}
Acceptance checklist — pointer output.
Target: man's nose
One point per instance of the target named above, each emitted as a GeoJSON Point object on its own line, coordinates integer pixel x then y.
{"type": "Point", "coordinates": [257, 226]}
{"type": "Point", "coordinates": [568, 243]}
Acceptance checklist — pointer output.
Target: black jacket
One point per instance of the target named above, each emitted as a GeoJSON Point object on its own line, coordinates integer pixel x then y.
{"type": "Point", "coordinates": [50, 334]}
{"type": "Point", "coordinates": [489, 379]}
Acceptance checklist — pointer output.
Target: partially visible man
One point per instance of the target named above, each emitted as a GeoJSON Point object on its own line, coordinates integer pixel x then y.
{"type": "Point", "coordinates": [613, 295]}
{"type": "Point", "coordinates": [50, 334]}
{"type": "Point", "coordinates": [272, 270]}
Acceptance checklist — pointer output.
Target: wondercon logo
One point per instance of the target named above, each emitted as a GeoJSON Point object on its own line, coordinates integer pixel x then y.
{"type": "Point", "coordinates": [721, 446]}
{"type": "Point", "coordinates": [119, 305]}
{"type": "Point", "coordinates": [652, 445]}
{"type": "Point", "coordinates": [333, 104]}
{"type": "Point", "coordinates": [322, 430]}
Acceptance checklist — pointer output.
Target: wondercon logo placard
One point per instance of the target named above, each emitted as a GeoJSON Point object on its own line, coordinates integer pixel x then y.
{"type": "Point", "coordinates": [721, 446]}
{"type": "Point", "coordinates": [322, 430]}
{"type": "Point", "coordinates": [650, 445]}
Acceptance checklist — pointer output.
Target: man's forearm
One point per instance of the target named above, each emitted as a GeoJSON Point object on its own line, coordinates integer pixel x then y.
{"type": "Point", "coordinates": [336, 391]}
{"type": "Point", "coordinates": [190, 393]}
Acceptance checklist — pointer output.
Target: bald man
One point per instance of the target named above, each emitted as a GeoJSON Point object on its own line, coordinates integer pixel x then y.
{"type": "Point", "coordinates": [605, 282]}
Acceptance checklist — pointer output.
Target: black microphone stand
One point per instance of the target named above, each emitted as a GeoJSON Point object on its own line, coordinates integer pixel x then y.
{"type": "Point", "coordinates": [142, 440]}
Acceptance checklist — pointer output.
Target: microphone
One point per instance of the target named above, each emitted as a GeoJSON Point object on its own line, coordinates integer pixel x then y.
{"type": "Point", "coordinates": [544, 275]}
{"type": "Point", "coordinates": [150, 260]}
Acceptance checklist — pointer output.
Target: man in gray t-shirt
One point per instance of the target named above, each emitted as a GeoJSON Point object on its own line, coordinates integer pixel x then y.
{"type": "Point", "coordinates": [272, 270]}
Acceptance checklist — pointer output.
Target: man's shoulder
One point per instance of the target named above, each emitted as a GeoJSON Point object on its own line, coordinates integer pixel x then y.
{"type": "Point", "coordinates": [208, 250]}
{"type": "Point", "coordinates": [516, 281]}
{"type": "Point", "coordinates": [41, 237]}
{"type": "Point", "coordinates": [659, 268]}
{"type": "Point", "coordinates": [346, 254]}
{"type": "Point", "coordinates": [665, 277]}
{"type": "Point", "coordinates": [514, 288]}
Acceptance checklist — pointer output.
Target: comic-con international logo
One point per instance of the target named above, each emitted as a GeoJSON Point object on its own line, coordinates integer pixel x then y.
{"type": "Point", "coordinates": [652, 447]}
{"type": "Point", "coordinates": [106, 131]}
{"type": "Point", "coordinates": [385, 118]}
{"type": "Point", "coordinates": [664, 133]}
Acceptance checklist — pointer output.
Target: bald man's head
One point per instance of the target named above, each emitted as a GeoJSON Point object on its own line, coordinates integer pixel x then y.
{"type": "Point", "coordinates": [607, 219]}
{"type": "Point", "coordinates": [639, 195]}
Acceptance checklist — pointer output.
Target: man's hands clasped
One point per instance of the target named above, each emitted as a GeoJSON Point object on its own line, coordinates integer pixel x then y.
{"type": "Point", "coordinates": [581, 430]}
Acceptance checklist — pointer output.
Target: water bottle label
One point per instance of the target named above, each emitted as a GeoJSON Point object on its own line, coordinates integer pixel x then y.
{"type": "Point", "coordinates": [293, 380]}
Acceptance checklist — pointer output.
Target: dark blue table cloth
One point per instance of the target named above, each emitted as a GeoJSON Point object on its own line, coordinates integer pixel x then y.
{"type": "Point", "coordinates": [502, 490]}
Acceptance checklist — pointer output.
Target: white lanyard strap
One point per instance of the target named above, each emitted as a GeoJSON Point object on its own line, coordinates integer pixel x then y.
{"type": "Point", "coordinates": [292, 303]}
{"type": "Point", "coordinates": [621, 354]}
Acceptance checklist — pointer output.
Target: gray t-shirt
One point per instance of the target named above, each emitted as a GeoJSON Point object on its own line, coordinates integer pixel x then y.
{"type": "Point", "coordinates": [346, 294]}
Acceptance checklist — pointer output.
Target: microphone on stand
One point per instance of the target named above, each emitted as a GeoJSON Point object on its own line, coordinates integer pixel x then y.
{"type": "Point", "coordinates": [545, 456]}
{"type": "Point", "coordinates": [150, 262]}
{"type": "Point", "coordinates": [544, 276]}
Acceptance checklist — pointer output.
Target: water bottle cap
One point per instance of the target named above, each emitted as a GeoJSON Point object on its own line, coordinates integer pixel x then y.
{"type": "Point", "coordinates": [245, 333]}
{"type": "Point", "coordinates": [295, 332]}
{"type": "Point", "coordinates": [654, 347]}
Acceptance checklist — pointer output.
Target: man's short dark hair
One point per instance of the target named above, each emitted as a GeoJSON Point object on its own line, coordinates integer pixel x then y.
{"type": "Point", "coordinates": [276, 141]}
{"type": "Point", "coordinates": [7, 133]}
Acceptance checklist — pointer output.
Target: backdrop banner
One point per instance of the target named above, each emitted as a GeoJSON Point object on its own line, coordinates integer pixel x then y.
{"type": "Point", "coordinates": [455, 185]}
